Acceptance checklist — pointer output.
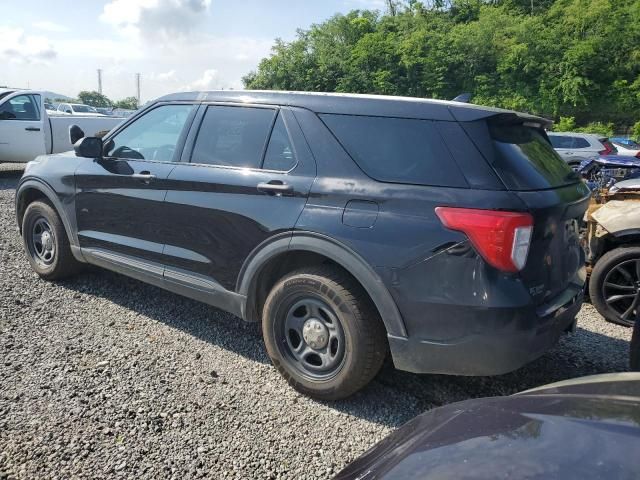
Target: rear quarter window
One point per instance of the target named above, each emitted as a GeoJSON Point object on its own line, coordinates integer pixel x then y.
{"type": "Point", "coordinates": [397, 150]}
{"type": "Point", "coordinates": [525, 160]}
{"type": "Point", "coordinates": [581, 143]}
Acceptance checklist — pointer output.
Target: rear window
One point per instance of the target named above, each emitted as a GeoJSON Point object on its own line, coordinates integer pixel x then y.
{"type": "Point", "coordinates": [397, 150]}
{"type": "Point", "coordinates": [525, 160]}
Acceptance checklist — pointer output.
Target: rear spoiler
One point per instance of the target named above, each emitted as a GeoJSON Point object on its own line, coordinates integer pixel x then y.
{"type": "Point", "coordinates": [470, 113]}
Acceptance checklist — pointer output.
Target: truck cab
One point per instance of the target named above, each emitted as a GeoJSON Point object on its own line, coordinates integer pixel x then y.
{"type": "Point", "coordinates": [22, 117]}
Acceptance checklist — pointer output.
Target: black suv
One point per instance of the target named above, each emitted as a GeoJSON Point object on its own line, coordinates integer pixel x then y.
{"type": "Point", "coordinates": [348, 225]}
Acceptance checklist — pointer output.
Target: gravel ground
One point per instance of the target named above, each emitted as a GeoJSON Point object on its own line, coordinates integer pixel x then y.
{"type": "Point", "coordinates": [103, 376]}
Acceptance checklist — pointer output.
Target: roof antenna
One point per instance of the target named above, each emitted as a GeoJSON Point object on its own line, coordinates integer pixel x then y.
{"type": "Point", "coordinates": [463, 98]}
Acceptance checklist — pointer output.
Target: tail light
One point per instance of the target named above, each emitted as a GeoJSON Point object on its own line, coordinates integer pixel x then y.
{"type": "Point", "coordinates": [609, 149]}
{"type": "Point", "coordinates": [501, 238]}
{"type": "Point", "coordinates": [638, 155]}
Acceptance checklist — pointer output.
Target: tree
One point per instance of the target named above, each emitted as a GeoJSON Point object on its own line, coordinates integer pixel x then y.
{"type": "Point", "coordinates": [548, 61]}
{"type": "Point", "coordinates": [129, 103]}
{"type": "Point", "coordinates": [95, 99]}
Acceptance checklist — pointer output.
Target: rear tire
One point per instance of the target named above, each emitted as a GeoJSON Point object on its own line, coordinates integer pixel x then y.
{"type": "Point", "coordinates": [322, 333]}
{"type": "Point", "coordinates": [46, 243]}
{"type": "Point", "coordinates": [614, 287]}
{"type": "Point", "coordinates": [634, 346]}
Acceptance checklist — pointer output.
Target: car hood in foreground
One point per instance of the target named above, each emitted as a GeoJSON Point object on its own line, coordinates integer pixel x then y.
{"type": "Point", "coordinates": [586, 428]}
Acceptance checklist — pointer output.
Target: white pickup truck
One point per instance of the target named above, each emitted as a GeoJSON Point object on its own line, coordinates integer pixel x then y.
{"type": "Point", "coordinates": [26, 130]}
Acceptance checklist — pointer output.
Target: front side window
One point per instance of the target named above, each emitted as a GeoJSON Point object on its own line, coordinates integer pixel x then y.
{"type": "Point", "coordinates": [233, 136]}
{"type": "Point", "coordinates": [153, 136]}
{"type": "Point", "coordinates": [21, 107]}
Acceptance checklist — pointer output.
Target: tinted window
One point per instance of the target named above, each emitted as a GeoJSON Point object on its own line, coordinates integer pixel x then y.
{"type": "Point", "coordinates": [153, 136]}
{"type": "Point", "coordinates": [396, 150]}
{"type": "Point", "coordinates": [559, 141]}
{"type": "Point", "coordinates": [83, 109]}
{"type": "Point", "coordinates": [279, 154]}
{"type": "Point", "coordinates": [21, 107]}
{"type": "Point", "coordinates": [233, 136]}
{"type": "Point", "coordinates": [580, 142]}
{"type": "Point", "coordinates": [525, 160]}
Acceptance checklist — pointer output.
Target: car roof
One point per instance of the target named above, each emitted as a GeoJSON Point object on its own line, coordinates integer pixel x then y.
{"type": "Point", "coordinates": [355, 104]}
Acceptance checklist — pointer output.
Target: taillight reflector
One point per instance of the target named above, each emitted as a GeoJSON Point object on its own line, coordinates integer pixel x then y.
{"type": "Point", "coordinates": [501, 238]}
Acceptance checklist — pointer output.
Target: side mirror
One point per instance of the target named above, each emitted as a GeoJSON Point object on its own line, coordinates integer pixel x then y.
{"type": "Point", "coordinates": [88, 147]}
{"type": "Point", "coordinates": [75, 134]}
{"type": "Point", "coordinates": [68, 111]}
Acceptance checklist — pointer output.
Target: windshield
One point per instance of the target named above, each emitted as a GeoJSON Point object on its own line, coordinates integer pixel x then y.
{"type": "Point", "coordinates": [525, 160]}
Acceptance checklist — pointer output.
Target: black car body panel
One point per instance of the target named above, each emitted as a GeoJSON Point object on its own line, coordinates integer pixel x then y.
{"type": "Point", "coordinates": [581, 429]}
{"type": "Point", "coordinates": [209, 231]}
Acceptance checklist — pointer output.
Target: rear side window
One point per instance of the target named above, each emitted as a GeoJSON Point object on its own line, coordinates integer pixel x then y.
{"type": "Point", "coordinates": [279, 155]}
{"type": "Point", "coordinates": [525, 160]}
{"type": "Point", "coordinates": [233, 136]}
{"type": "Point", "coordinates": [561, 141]}
{"type": "Point", "coordinates": [397, 150]}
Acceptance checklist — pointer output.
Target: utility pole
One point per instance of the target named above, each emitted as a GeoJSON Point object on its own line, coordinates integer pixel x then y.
{"type": "Point", "coordinates": [138, 88]}
{"type": "Point", "coordinates": [100, 80]}
{"type": "Point", "coordinates": [531, 7]}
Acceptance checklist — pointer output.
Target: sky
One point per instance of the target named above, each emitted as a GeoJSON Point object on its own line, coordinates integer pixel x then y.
{"type": "Point", "coordinates": [58, 45]}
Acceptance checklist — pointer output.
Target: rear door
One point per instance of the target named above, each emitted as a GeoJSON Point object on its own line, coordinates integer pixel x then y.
{"type": "Point", "coordinates": [556, 197]}
{"type": "Point", "coordinates": [245, 179]}
{"type": "Point", "coordinates": [563, 144]}
{"type": "Point", "coordinates": [21, 128]}
{"type": "Point", "coordinates": [119, 198]}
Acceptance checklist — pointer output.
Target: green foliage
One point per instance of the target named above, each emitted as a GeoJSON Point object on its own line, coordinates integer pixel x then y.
{"type": "Point", "coordinates": [129, 103]}
{"type": "Point", "coordinates": [604, 129]}
{"type": "Point", "coordinates": [635, 131]}
{"type": "Point", "coordinates": [95, 99]}
{"type": "Point", "coordinates": [566, 124]}
{"type": "Point", "coordinates": [567, 58]}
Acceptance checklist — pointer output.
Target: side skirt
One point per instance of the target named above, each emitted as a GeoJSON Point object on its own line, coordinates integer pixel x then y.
{"type": "Point", "coordinates": [197, 287]}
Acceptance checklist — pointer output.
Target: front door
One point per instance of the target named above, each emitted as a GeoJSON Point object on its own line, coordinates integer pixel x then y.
{"type": "Point", "coordinates": [119, 198]}
{"type": "Point", "coordinates": [21, 134]}
{"type": "Point", "coordinates": [248, 179]}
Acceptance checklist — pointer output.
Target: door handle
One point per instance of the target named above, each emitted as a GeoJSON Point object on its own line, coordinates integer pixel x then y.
{"type": "Point", "coordinates": [144, 177]}
{"type": "Point", "coordinates": [275, 187]}
{"type": "Point", "coordinates": [32, 129]}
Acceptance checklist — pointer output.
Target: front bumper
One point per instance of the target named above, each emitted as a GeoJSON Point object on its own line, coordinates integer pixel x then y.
{"type": "Point", "coordinates": [506, 340]}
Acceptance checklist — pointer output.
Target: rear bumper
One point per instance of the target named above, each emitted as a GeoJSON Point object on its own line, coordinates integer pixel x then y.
{"type": "Point", "coordinates": [504, 340]}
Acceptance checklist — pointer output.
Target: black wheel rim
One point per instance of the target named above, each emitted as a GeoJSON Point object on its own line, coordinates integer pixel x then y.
{"type": "Point", "coordinates": [311, 338]}
{"type": "Point", "coordinates": [621, 290]}
{"type": "Point", "coordinates": [42, 242]}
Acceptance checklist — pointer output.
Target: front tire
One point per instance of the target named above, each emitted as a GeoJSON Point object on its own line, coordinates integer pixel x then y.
{"type": "Point", "coordinates": [322, 333]}
{"type": "Point", "coordinates": [614, 286]}
{"type": "Point", "coordinates": [46, 243]}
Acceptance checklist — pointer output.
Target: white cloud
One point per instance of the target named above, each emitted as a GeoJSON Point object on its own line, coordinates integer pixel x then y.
{"type": "Point", "coordinates": [156, 19]}
{"type": "Point", "coordinates": [48, 26]}
{"type": "Point", "coordinates": [18, 47]}
{"type": "Point", "coordinates": [208, 81]}
{"type": "Point", "coordinates": [164, 76]}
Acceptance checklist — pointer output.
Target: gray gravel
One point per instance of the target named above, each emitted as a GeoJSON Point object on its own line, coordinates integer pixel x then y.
{"type": "Point", "coordinates": [103, 376]}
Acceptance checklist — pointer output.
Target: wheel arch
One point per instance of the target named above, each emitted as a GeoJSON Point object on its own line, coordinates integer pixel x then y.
{"type": "Point", "coordinates": [34, 189]}
{"type": "Point", "coordinates": [312, 247]}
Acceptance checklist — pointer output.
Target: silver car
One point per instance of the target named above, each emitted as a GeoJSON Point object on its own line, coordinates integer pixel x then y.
{"type": "Point", "coordinates": [575, 147]}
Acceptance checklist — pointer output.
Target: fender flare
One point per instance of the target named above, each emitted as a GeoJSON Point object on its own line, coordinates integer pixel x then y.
{"type": "Point", "coordinates": [334, 250]}
{"type": "Point", "coordinates": [44, 188]}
